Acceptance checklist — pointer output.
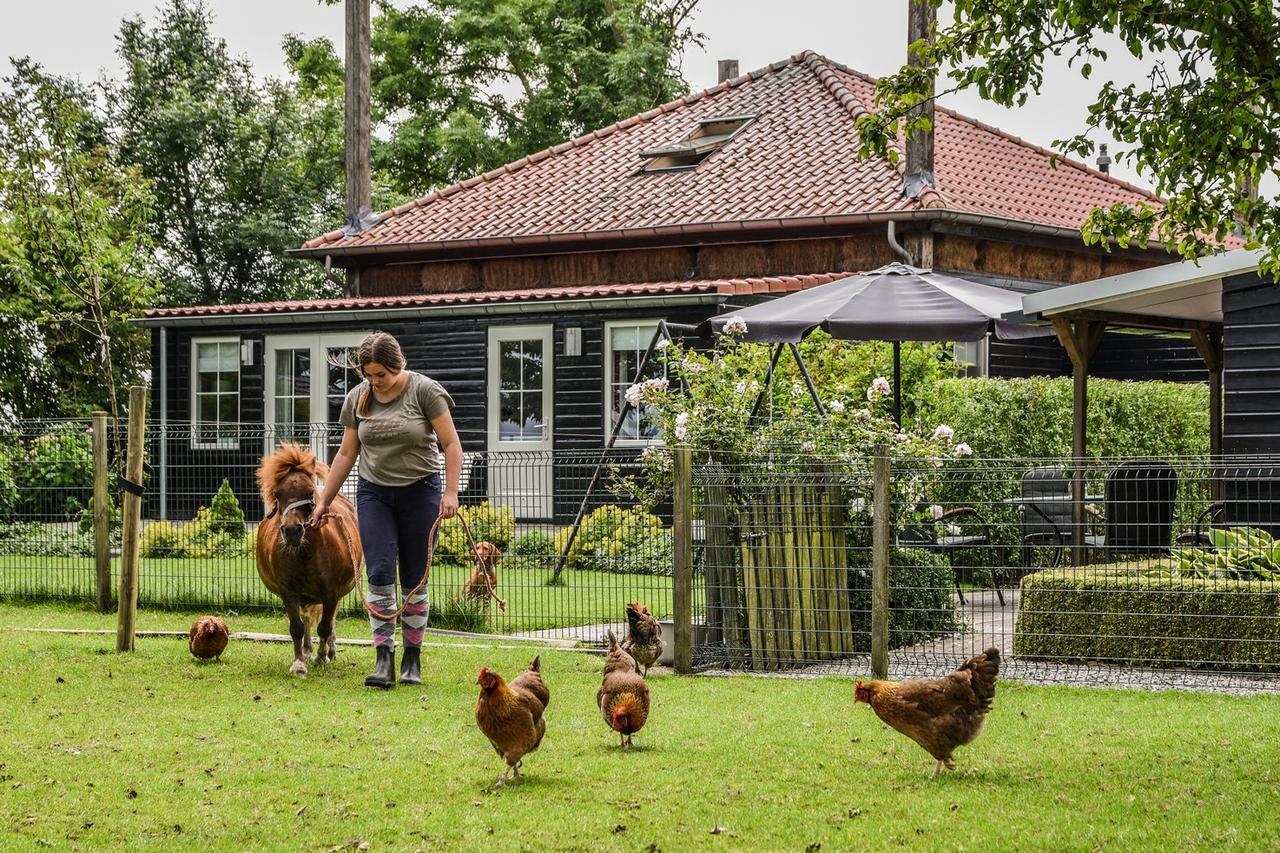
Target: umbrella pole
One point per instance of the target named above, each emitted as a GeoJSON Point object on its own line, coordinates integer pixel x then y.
{"type": "Point", "coordinates": [897, 383]}
{"type": "Point", "coordinates": [768, 380]}
{"type": "Point", "coordinates": [813, 392]}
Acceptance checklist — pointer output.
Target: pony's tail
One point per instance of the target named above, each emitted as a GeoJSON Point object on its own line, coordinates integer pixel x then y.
{"type": "Point", "coordinates": [311, 616]}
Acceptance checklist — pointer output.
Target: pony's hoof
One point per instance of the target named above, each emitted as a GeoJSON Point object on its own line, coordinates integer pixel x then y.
{"type": "Point", "coordinates": [299, 669]}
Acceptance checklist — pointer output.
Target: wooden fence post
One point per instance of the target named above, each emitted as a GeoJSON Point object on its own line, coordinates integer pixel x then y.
{"type": "Point", "coordinates": [131, 510]}
{"type": "Point", "coordinates": [880, 544]}
{"type": "Point", "coordinates": [101, 514]}
{"type": "Point", "coordinates": [682, 559]}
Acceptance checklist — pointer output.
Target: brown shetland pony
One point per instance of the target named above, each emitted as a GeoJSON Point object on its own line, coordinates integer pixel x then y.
{"type": "Point", "coordinates": [310, 568]}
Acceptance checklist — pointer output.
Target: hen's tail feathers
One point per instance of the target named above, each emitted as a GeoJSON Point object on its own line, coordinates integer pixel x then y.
{"type": "Point", "coordinates": [613, 640]}
{"type": "Point", "coordinates": [985, 667]}
{"type": "Point", "coordinates": [536, 664]}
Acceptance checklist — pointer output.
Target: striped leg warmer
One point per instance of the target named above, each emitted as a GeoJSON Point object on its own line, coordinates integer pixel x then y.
{"type": "Point", "coordinates": [414, 621]}
{"type": "Point", "coordinates": [383, 600]}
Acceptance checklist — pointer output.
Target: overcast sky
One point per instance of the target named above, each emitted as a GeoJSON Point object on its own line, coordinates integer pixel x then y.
{"type": "Point", "coordinates": [78, 37]}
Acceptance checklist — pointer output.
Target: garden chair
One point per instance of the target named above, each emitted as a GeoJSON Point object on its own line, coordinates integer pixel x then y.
{"type": "Point", "coordinates": [928, 537]}
{"type": "Point", "coordinates": [1137, 514]}
{"type": "Point", "coordinates": [1252, 500]}
{"type": "Point", "coordinates": [1044, 513]}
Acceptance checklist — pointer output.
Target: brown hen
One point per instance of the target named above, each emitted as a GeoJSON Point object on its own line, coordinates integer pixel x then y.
{"type": "Point", "coordinates": [511, 715]}
{"type": "Point", "coordinates": [940, 714]}
{"type": "Point", "coordinates": [208, 637]}
{"type": "Point", "coordinates": [644, 636]}
{"type": "Point", "coordinates": [623, 696]}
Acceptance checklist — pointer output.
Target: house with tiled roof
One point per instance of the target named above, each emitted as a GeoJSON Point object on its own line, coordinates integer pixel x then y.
{"type": "Point", "coordinates": [531, 291]}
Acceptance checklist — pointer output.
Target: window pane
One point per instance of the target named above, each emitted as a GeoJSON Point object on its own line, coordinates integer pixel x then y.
{"type": "Point", "coordinates": [228, 382]}
{"type": "Point", "coordinates": [532, 365]}
{"type": "Point", "coordinates": [532, 426]}
{"type": "Point", "coordinates": [206, 408]}
{"type": "Point", "coordinates": [509, 417]}
{"type": "Point", "coordinates": [301, 410]}
{"type": "Point", "coordinates": [509, 353]}
{"type": "Point", "coordinates": [228, 408]}
{"type": "Point", "coordinates": [206, 383]}
{"type": "Point", "coordinates": [228, 355]}
{"type": "Point", "coordinates": [301, 372]}
{"type": "Point", "coordinates": [206, 357]}
{"type": "Point", "coordinates": [626, 337]}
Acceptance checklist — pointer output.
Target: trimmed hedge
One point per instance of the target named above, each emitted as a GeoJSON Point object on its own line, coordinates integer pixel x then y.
{"type": "Point", "coordinates": [1128, 618]}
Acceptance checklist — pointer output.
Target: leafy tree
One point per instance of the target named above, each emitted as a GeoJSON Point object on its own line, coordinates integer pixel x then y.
{"type": "Point", "coordinates": [242, 170]}
{"type": "Point", "coordinates": [74, 253]}
{"type": "Point", "coordinates": [463, 86]}
{"type": "Point", "coordinates": [1201, 125]}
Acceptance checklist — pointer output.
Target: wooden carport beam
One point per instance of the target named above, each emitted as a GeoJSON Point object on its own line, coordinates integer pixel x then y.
{"type": "Point", "coordinates": [1209, 344]}
{"type": "Point", "coordinates": [1080, 338]}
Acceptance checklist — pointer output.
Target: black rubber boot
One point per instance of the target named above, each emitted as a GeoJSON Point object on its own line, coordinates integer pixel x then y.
{"type": "Point", "coordinates": [410, 666]}
{"type": "Point", "coordinates": [384, 669]}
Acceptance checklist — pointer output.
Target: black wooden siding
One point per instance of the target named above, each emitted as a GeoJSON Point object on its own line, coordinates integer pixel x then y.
{"type": "Point", "coordinates": [1251, 364]}
{"type": "Point", "coordinates": [452, 350]}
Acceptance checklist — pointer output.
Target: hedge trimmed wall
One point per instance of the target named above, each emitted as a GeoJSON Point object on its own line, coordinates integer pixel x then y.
{"type": "Point", "coordinates": [1125, 618]}
{"type": "Point", "coordinates": [920, 604]}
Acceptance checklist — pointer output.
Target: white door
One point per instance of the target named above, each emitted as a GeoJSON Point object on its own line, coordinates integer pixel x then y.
{"type": "Point", "coordinates": [304, 387]}
{"type": "Point", "coordinates": [520, 410]}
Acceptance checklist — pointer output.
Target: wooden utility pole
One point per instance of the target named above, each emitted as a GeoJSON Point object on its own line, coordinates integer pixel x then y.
{"type": "Point", "coordinates": [359, 192]}
{"type": "Point", "coordinates": [921, 17]}
{"type": "Point", "coordinates": [131, 507]}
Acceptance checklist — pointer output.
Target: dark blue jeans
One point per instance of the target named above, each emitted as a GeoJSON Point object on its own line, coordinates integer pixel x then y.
{"type": "Point", "coordinates": [394, 524]}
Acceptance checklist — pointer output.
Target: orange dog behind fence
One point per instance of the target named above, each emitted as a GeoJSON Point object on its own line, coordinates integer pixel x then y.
{"type": "Point", "coordinates": [483, 582]}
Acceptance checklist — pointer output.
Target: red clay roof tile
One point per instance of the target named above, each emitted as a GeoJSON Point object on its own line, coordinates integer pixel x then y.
{"type": "Point", "coordinates": [798, 159]}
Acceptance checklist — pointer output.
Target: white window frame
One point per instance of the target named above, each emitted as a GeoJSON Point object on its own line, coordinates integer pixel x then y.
{"type": "Point", "coordinates": [609, 326]}
{"type": "Point", "coordinates": [979, 364]}
{"type": "Point", "coordinates": [317, 343]}
{"type": "Point", "coordinates": [232, 443]}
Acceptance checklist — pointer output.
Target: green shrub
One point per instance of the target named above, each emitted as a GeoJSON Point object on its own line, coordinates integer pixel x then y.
{"type": "Point", "coordinates": [33, 539]}
{"type": "Point", "coordinates": [535, 543]}
{"type": "Point", "coordinates": [457, 613]}
{"type": "Point", "coordinates": [619, 540]}
{"type": "Point", "coordinates": [218, 529]}
{"type": "Point", "coordinates": [53, 473]}
{"type": "Point", "coordinates": [920, 604]}
{"type": "Point", "coordinates": [488, 523]}
{"type": "Point", "coordinates": [8, 483]}
{"type": "Point", "coordinates": [162, 539]}
{"type": "Point", "coordinates": [1132, 618]}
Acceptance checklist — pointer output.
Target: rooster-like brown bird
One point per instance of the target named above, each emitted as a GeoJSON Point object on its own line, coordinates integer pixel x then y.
{"type": "Point", "coordinates": [511, 716]}
{"type": "Point", "coordinates": [939, 714]}
{"type": "Point", "coordinates": [623, 696]}
{"type": "Point", "coordinates": [644, 636]}
{"type": "Point", "coordinates": [208, 637]}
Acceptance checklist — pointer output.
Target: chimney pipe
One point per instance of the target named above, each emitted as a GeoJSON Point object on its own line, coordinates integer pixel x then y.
{"type": "Point", "coordinates": [921, 16]}
{"type": "Point", "coordinates": [359, 212]}
{"type": "Point", "coordinates": [1104, 161]}
{"type": "Point", "coordinates": [726, 69]}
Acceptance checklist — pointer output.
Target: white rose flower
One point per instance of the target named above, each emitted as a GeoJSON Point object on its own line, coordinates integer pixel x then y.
{"type": "Point", "coordinates": [633, 395]}
{"type": "Point", "coordinates": [808, 447]}
{"type": "Point", "coordinates": [662, 344]}
{"type": "Point", "coordinates": [880, 386]}
{"type": "Point", "coordinates": [944, 432]}
{"type": "Point", "coordinates": [935, 512]}
{"type": "Point", "coordinates": [835, 406]}
{"type": "Point", "coordinates": [963, 449]}
{"type": "Point", "coordinates": [863, 414]}
{"type": "Point", "coordinates": [682, 426]}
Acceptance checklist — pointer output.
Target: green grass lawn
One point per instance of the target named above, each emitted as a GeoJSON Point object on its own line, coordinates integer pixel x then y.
{"type": "Point", "coordinates": [156, 751]}
{"type": "Point", "coordinates": [584, 598]}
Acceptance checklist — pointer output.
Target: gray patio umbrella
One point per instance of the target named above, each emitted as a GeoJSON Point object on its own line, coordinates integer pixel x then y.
{"type": "Point", "coordinates": [894, 303]}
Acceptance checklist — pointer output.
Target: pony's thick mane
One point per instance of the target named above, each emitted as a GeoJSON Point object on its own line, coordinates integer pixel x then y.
{"type": "Point", "coordinates": [287, 459]}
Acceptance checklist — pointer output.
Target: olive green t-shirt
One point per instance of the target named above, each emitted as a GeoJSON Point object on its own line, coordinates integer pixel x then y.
{"type": "Point", "coordinates": [397, 443]}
